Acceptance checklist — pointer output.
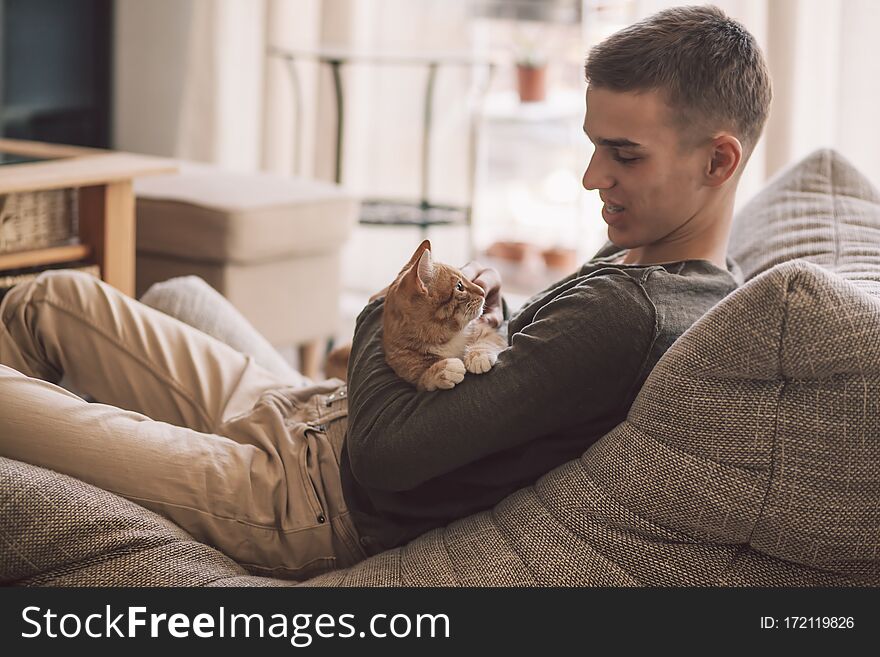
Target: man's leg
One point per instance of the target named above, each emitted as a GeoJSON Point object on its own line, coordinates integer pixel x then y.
{"type": "Point", "coordinates": [191, 300]}
{"type": "Point", "coordinates": [122, 353]}
{"type": "Point", "coordinates": [247, 492]}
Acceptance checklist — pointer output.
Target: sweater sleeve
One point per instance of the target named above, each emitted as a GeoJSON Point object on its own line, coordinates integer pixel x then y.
{"type": "Point", "coordinates": [576, 358]}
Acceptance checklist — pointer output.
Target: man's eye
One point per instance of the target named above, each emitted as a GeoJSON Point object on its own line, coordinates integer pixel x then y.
{"type": "Point", "coordinates": [459, 287]}
{"type": "Point", "coordinates": [625, 160]}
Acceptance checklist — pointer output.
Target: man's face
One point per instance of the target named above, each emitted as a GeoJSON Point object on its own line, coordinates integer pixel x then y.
{"type": "Point", "coordinates": [652, 188]}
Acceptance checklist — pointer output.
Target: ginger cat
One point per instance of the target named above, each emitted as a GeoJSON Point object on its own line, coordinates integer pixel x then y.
{"type": "Point", "coordinates": [428, 329]}
{"type": "Point", "coordinates": [429, 334]}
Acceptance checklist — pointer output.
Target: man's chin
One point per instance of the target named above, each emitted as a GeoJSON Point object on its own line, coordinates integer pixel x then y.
{"type": "Point", "coordinates": [621, 240]}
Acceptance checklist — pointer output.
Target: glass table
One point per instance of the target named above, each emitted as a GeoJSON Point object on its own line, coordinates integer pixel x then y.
{"type": "Point", "coordinates": [421, 212]}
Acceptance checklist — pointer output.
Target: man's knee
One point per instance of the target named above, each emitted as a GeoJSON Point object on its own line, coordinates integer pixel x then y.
{"type": "Point", "coordinates": [65, 287]}
{"type": "Point", "coordinates": [66, 279]}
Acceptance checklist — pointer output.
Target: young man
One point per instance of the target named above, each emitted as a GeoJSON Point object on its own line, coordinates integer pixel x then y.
{"type": "Point", "coordinates": [675, 105]}
{"type": "Point", "coordinates": [292, 479]}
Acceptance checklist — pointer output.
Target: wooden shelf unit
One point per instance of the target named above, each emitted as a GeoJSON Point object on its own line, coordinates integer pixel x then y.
{"type": "Point", "coordinates": [106, 203]}
{"type": "Point", "coordinates": [48, 256]}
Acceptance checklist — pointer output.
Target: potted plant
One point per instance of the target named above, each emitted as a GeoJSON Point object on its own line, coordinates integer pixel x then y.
{"type": "Point", "coordinates": [531, 76]}
{"type": "Point", "coordinates": [530, 56]}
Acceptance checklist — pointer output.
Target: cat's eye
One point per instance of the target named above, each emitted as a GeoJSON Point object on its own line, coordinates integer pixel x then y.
{"type": "Point", "coordinates": [460, 287]}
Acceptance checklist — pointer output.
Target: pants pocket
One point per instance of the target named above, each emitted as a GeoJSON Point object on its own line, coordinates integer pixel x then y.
{"type": "Point", "coordinates": [311, 475]}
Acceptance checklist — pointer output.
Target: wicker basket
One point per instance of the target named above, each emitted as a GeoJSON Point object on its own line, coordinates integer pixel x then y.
{"type": "Point", "coordinates": [34, 220]}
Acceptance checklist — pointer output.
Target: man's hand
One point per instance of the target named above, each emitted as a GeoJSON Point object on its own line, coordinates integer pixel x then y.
{"type": "Point", "coordinates": [490, 280]}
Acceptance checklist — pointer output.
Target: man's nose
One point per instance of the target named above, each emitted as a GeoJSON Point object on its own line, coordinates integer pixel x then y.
{"type": "Point", "coordinates": [595, 176]}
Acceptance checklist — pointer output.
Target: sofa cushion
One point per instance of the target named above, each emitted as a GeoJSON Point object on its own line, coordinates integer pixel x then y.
{"type": "Point", "coordinates": [821, 209]}
{"type": "Point", "coordinates": [191, 300]}
{"type": "Point", "coordinates": [749, 458]}
{"type": "Point", "coordinates": [58, 531]}
{"type": "Point", "coordinates": [211, 214]}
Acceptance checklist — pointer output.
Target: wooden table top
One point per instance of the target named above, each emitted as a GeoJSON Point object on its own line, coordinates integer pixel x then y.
{"type": "Point", "coordinates": [73, 166]}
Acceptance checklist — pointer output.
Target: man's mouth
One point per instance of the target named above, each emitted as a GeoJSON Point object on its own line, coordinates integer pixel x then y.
{"type": "Point", "coordinates": [613, 209]}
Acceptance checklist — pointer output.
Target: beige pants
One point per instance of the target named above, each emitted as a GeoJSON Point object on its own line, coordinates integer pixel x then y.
{"type": "Point", "coordinates": [186, 426]}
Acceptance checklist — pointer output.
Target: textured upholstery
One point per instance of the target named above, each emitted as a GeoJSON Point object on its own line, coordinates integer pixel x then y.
{"type": "Point", "coordinates": [750, 457]}
{"type": "Point", "coordinates": [58, 531]}
{"type": "Point", "coordinates": [821, 210]}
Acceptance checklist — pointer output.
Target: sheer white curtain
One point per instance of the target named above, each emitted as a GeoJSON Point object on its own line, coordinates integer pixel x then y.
{"type": "Point", "coordinates": [294, 24]}
{"type": "Point", "coordinates": [188, 78]}
{"type": "Point", "coordinates": [828, 81]}
{"type": "Point", "coordinates": [221, 115]}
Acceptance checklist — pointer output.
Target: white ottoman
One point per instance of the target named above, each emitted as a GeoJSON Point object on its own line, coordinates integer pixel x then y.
{"type": "Point", "coordinates": [268, 243]}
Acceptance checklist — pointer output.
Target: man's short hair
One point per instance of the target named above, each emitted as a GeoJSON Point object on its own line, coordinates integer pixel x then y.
{"type": "Point", "coordinates": [708, 66]}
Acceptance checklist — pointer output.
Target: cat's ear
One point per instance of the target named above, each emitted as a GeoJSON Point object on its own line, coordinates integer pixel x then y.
{"type": "Point", "coordinates": [421, 273]}
{"type": "Point", "coordinates": [425, 269]}
{"type": "Point", "coordinates": [424, 246]}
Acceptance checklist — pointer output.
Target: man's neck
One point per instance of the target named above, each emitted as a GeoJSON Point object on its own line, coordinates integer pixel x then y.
{"type": "Point", "coordinates": [709, 243]}
{"type": "Point", "coordinates": [665, 253]}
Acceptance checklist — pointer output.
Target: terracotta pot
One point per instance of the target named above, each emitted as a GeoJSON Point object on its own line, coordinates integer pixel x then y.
{"type": "Point", "coordinates": [560, 258]}
{"type": "Point", "coordinates": [515, 251]}
{"type": "Point", "coordinates": [531, 83]}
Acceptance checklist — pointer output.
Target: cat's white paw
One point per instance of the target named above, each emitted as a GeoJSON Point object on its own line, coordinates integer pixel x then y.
{"type": "Point", "coordinates": [452, 372]}
{"type": "Point", "coordinates": [444, 374]}
{"type": "Point", "coordinates": [479, 361]}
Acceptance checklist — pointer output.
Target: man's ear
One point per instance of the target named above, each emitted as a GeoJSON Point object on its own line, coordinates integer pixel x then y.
{"type": "Point", "coordinates": [726, 156]}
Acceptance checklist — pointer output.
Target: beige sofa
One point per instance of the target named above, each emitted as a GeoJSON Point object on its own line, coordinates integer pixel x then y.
{"type": "Point", "coordinates": [750, 457]}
